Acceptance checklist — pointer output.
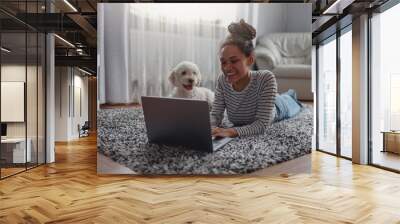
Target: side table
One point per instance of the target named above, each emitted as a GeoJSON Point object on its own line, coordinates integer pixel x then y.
{"type": "Point", "coordinates": [391, 141]}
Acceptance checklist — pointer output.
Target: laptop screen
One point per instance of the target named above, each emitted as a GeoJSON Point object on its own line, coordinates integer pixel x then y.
{"type": "Point", "coordinates": [3, 129]}
{"type": "Point", "coordinates": [177, 122]}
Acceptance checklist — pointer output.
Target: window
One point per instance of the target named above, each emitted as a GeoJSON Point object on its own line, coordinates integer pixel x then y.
{"type": "Point", "coordinates": [335, 106]}
{"type": "Point", "coordinates": [346, 94]}
{"type": "Point", "coordinates": [327, 96]}
{"type": "Point", "coordinates": [385, 85]}
{"type": "Point", "coordinates": [22, 65]}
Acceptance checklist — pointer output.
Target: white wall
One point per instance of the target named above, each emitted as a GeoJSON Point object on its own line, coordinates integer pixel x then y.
{"type": "Point", "coordinates": [79, 118]}
{"type": "Point", "coordinates": [62, 81]}
{"type": "Point", "coordinates": [299, 17]}
{"type": "Point", "coordinates": [284, 17]}
{"type": "Point", "coordinates": [13, 100]}
{"type": "Point", "coordinates": [15, 72]}
{"type": "Point", "coordinates": [271, 18]}
{"type": "Point", "coordinates": [33, 126]}
{"type": "Point", "coordinates": [68, 83]}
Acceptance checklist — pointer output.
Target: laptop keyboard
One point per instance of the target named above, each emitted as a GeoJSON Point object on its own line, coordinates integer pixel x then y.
{"type": "Point", "coordinates": [217, 142]}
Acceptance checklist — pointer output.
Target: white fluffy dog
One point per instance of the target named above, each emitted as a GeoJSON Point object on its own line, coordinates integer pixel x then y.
{"type": "Point", "coordinates": [186, 78]}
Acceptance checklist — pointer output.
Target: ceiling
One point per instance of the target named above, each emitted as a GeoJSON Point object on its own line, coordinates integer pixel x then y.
{"type": "Point", "coordinates": [330, 15]}
{"type": "Point", "coordinates": [74, 21]}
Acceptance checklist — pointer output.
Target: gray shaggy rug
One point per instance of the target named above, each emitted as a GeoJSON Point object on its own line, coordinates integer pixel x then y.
{"type": "Point", "coordinates": [122, 137]}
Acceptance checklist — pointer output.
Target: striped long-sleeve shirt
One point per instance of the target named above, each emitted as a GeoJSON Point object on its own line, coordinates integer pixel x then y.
{"type": "Point", "coordinates": [250, 110]}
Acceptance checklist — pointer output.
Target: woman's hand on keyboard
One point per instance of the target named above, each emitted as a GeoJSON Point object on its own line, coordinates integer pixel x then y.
{"type": "Point", "coordinates": [224, 132]}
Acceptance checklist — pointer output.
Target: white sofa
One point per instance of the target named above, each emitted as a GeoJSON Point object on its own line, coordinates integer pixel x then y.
{"type": "Point", "coordinates": [288, 56]}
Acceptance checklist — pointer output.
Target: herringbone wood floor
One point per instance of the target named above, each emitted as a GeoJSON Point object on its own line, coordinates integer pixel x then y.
{"type": "Point", "coordinates": [70, 191]}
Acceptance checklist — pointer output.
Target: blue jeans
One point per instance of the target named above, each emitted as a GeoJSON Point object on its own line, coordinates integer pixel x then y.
{"type": "Point", "coordinates": [286, 105]}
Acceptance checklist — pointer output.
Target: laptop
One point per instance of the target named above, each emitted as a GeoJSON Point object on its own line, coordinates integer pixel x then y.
{"type": "Point", "coordinates": [180, 122]}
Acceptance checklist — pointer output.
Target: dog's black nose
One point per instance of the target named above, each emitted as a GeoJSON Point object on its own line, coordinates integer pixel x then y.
{"type": "Point", "coordinates": [190, 80]}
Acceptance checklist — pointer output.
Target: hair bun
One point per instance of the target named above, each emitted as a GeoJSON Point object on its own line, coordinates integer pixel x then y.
{"type": "Point", "coordinates": [242, 30]}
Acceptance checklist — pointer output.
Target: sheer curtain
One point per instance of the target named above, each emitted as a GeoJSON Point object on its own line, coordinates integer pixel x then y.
{"type": "Point", "coordinates": [142, 42]}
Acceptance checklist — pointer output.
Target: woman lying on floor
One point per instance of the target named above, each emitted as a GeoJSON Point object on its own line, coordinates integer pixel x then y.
{"type": "Point", "coordinates": [249, 97]}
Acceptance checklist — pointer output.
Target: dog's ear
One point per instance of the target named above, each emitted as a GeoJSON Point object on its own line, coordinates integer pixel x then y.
{"type": "Point", "coordinates": [172, 78]}
{"type": "Point", "coordinates": [199, 78]}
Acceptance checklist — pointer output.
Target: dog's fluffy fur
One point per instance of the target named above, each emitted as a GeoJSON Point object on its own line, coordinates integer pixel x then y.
{"type": "Point", "coordinates": [186, 78]}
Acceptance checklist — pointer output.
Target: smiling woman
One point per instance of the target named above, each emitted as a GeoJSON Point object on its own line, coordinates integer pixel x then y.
{"type": "Point", "coordinates": [249, 97]}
